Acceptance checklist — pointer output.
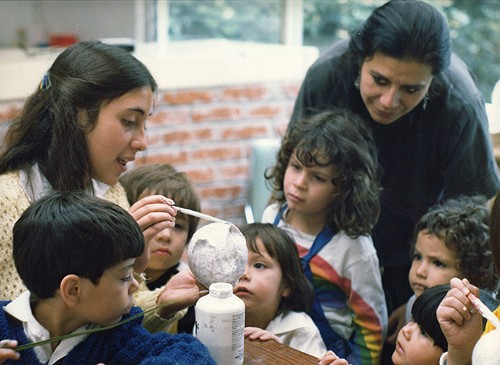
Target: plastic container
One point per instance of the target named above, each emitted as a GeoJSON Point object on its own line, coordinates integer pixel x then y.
{"type": "Point", "coordinates": [220, 324]}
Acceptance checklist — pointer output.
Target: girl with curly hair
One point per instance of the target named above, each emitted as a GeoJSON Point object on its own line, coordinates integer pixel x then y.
{"type": "Point", "coordinates": [326, 194]}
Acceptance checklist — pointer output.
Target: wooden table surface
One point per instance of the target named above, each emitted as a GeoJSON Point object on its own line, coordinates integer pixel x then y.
{"type": "Point", "coordinates": [274, 353]}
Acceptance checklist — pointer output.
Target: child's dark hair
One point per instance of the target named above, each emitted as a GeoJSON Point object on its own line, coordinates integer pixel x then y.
{"type": "Point", "coordinates": [50, 130]}
{"type": "Point", "coordinates": [345, 141]}
{"type": "Point", "coordinates": [72, 233]}
{"type": "Point", "coordinates": [163, 179]}
{"type": "Point", "coordinates": [280, 246]}
{"type": "Point", "coordinates": [423, 312]}
{"type": "Point", "coordinates": [462, 223]}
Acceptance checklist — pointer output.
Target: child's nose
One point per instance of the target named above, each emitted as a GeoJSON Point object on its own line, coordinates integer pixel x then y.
{"type": "Point", "coordinates": [164, 235]}
{"type": "Point", "coordinates": [300, 180]}
{"type": "Point", "coordinates": [408, 329]}
{"type": "Point", "coordinates": [422, 269]}
{"type": "Point", "coordinates": [134, 285]}
{"type": "Point", "coordinates": [246, 274]}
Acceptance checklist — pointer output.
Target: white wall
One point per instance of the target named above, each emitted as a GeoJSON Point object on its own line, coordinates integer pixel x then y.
{"type": "Point", "coordinates": [88, 19]}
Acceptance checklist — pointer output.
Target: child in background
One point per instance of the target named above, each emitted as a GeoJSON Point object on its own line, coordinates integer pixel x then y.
{"type": "Point", "coordinates": [421, 341]}
{"type": "Point", "coordinates": [326, 195]}
{"type": "Point", "coordinates": [167, 246]}
{"type": "Point", "coordinates": [275, 291]}
{"type": "Point", "coordinates": [450, 240]}
{"type": "Point", "coordinates": [75, 253]}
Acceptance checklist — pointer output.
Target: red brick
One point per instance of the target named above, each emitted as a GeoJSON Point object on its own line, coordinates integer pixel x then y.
{"type": "Point", "coordinates": [219, 192]}
{"type": "Point", "coordinates": [234, 171]}
{"type": "Point", "coordinates": [218, 153]}
{"type": "Point", "coordinates": [181, 136]}
{"type": "Point", "coordinates": [244, 93]}
{"type": "Point", "coordinates": [245, 132]}
{"type": "Point", "coordinates": [224, 113]}
{"type": "Point", "coordinates": [173, 158]}
{"type": "Point", "coordinates": [170, 117]}
{"type": "Point", "coordinates": [188, 97]}
{"type": "Point", "coordinates": [200, 175]}
{"type": "Point", "coordinates": [266, 111]}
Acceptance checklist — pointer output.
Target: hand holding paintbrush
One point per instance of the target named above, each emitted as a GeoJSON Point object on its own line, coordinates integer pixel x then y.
{"type": "Point", "coordinates": [459, 315]}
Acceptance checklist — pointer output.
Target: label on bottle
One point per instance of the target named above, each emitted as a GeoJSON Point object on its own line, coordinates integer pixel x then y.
{"type": "Point", "coordinates": [220, 325]}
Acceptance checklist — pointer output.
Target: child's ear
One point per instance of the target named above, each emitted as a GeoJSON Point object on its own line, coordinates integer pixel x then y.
{"type": "Point", "coordinates": [285, 292]}
{"type": "Point", "coordinates": [70, 289]}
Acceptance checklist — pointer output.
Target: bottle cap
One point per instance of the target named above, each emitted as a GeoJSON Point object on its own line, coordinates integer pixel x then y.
{"type": "Point", "coordinates": [221, 290]}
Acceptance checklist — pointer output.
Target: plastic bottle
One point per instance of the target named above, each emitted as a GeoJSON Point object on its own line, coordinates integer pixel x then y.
{"type": "Point", "coordinates": [220, 324]}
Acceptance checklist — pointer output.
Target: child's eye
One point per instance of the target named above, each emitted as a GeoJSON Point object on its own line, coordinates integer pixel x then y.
{"type": "Point", "coordinates": [180, 227]}
{"type": "Point", "coordinates": [319, 178]}
{"type": "Point", "coordinates": [417, 256]}
{"type": "Point", "coordinates": [128, 278]}
{"type": "Point", "coordinates": [259, 265]}
{"type": "Point", "coordinates": [439, 263]}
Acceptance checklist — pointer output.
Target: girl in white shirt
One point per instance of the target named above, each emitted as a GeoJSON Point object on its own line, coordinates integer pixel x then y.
{"type": "Point", "coordinates": [276, 292]}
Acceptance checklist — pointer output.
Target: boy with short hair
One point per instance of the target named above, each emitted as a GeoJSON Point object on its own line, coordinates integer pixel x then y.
{"type": "Point", "coordinates": [167, 247]}
{"type": "Point", "coordinates": [75, 254]}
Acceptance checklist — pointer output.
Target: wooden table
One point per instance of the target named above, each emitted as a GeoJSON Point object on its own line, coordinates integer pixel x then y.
{"type": "Point", "coordinates": [274, 353]}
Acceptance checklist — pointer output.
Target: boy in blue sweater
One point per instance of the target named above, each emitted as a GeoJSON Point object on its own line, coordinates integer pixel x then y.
{"type": "Point", "coordinates": [75, 254]}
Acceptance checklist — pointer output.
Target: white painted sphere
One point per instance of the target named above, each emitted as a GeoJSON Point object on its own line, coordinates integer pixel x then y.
{"type": "Point", "coordinates": [487, 349]}
{"type": "Point", "coordinates": [217, 253]}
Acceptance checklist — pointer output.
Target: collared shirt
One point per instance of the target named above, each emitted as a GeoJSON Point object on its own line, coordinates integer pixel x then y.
{"type": "Point", "coordinates": [37, 186]}
{"type": "Point", "coordinates": [20, 308]}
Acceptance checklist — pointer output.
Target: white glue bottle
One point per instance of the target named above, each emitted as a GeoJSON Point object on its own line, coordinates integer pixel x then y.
{"type": "Point", "coordinates": [220, 324]}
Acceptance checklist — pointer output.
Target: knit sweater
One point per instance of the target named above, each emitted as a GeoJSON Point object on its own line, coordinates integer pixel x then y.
{"type": "Point", "coordinates": [128, 343]}
{"type": "Point", "coordinates": [13, 202]}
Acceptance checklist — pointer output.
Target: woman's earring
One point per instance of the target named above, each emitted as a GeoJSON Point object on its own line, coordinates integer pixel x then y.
{"type": "Point", "coordinates": [426, 100]}
{"type": "Point", "coordinates": [357, 81]}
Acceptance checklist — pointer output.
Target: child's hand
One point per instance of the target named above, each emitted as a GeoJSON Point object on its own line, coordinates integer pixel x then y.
{"type": "Point", "coordinates": [181, 291]}
{"type": "Point", "coordinates": [460, 322]}
{"type": "Point", "coordinates": [254, 333]}
{"type": "Point", "coordinates": [396, 322]}
{"type": "Point", "coordinates": [330, 358]}
{"type": "Point", "coordinates": [153, 213]}
{"type": "Point", "coordinates": [7, 352]}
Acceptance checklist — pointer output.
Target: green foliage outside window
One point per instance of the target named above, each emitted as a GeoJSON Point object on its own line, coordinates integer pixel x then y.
{"type": "Point", "coordinates": [474, 26]}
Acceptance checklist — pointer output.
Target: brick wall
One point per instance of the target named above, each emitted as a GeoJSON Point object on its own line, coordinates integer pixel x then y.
{"type": "Point", "coordinates": [207, 132]}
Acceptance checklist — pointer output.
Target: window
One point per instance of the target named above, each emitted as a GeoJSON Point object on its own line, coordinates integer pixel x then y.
{"type": "Point", "coordinates": [473, 25]}
{"type": "Point", "coordinates": [257, 21]}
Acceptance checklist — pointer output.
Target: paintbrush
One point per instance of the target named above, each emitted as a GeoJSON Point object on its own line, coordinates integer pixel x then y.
{"type": "Point", "coordinates": [200, 215]}
{"type": "Point", "coordinates": [483, 309]}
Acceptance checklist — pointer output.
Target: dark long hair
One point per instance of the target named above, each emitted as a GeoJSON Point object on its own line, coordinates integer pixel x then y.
{"type": "Point", "coordinates": [347, 143]}
{"type": "Point", "coordinates": [49, 132]}
{"type": "Point", "coordinates": [405, 29]}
